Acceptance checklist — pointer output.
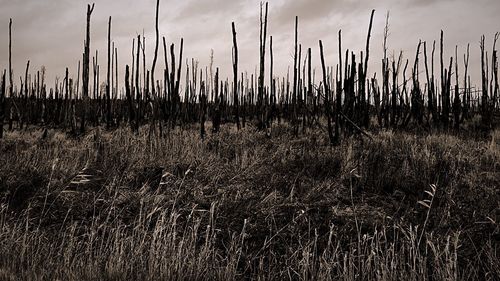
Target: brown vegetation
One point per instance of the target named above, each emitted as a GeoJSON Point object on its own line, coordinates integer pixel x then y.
{"type": "Point", "coordinates": [342, 179]}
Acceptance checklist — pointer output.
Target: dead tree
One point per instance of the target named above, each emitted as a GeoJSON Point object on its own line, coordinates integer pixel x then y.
{"type": "Point", "coordinates": [128, 94]}
{"type": "Point", "coordinates": [416, 94]}
{"type": "Point", "coordinates": [338, 99]}
{"type": "Point", "coordinates": [116, 73]}
{"type": "Point", "coordinates": [466, 106]}
{"type": "Point", "coordinates": [310, 85]}
{"type": "Point", "coordinates": [260, 93]}
{"type": "Point", "coordinates": [295, 70]}
{"type": "Point", "coordinates": [430, 83]}
{"type": "Point", "coordinates": [108, 79]}
{"type": "Point", "coordinates": [112, 85]}
{"type": "Point", "coordinates": [216, 116]}
{"type": "Point", "coordinates": [145, 73]}
{"type": "Point", "coordinates": [456, 100]}
{"type": "Point", "coordinates": [11, 84]}
{"type": "Point", "coordinates": [66, 98]}
{"type": "Point", "coordinates": [166, 83]}
{"type": "Point", "coordinates": [137, 86]}
{"type": "Point", "coordinates": [156, 50]}
{"type": "Point", "coordinates": [235, 78]}
{"type": "Point", "coordinates": [494, 73]}
{"type": "Point", "coordinates": [384, 114]}
{"type": "Point", "coordinates": [203, 110]}
{"type": "Point", "coordinates": [485, 116]}
{"type": "Point", "coordinates": [86, 67]}
{"type": "Point", "coordinates": [173, 94]}
{"type": "Point", "coordinates": [364, 101]}
{"type": "Point", "coordinates": [445, 98]}
{"type": "Point", "coordinates": [26, 86]}
{"type": "Point", "coordinates": [2, 104]}
{"type": "Point", "coordinates": [272, 84]}
{"type": "Point", "coordinates": [176, 101]}
{"type": "Point", "coordinates": [327, 94]}
{"type": "Point", "coordinates": [153, 91]}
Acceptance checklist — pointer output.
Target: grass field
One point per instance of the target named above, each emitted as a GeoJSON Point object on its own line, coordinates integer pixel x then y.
{"type": "Point", "coordinates": [112, 205]}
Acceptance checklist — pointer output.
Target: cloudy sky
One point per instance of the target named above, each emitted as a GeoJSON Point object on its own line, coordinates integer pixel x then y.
{"type": "Point", "coordinates": [51, 32]}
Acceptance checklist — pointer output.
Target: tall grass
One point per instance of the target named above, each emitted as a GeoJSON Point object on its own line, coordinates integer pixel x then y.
{"type": "Point", "coordinates": [241, 205]}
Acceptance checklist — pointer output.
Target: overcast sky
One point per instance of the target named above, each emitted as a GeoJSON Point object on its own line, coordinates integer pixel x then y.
{"type": "Point", "coordinates": [51, 32]}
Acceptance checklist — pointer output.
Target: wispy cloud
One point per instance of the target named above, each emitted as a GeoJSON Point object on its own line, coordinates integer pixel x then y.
{"type": "Point", "coordinates": [51, 32]}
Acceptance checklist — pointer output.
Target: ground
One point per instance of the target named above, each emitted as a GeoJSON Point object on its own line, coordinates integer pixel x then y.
{"type": "Point", "coordinates": [112, 205]}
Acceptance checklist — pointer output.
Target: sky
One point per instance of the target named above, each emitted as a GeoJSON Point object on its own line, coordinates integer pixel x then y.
{"type": "Point", "coordinates": [51, 32]}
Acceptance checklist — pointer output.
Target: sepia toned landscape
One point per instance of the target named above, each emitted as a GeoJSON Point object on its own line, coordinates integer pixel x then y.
{"type": "Point", "coordinates": [147, 163]}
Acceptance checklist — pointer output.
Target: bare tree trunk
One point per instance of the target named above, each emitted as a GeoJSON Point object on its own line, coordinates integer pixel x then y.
{"type": "Point", "coordinates": [235, 79]}
{"type": "Point", "coordinates": [129, 98]}
{"type": "Point", "coordinates": [484, 76]}
{"type": "Point", "coordinates": [216, 115]}
{"type": "Point", "coordinates": [385, 85]}
{"type": "Point", "coordinates": [294, 91]}
{"type": "Point", "coordinates": [117, 95]}
{"type": "Point", "coordinates": [11, 84]}
{"type": "Point", "coordinates": [494, 73]}
{"type": "Point", "coordinates": [2, 104]}
{"type": "Point", "coordinates": [26, 83]}
{"type": "Point", "coordinates": [444, 89]}
{"type": "Point", "coordinates": [466, 107]}
{"type": "Point", "coordinates": [132, 86]}
{"type": "Point", "coordinates": [327, 94]}
{"type": "Point", "coordinates": [66, 98]}
{"type": "Point", "coordinates": [272, 84]}
{"type": "Point", "coordinates": [309, 85]}
{"type": "Point", "coordinates": [456, 101]}
{"type": "Point", "coordinates": [203, 110]}
{"type": "Point", "coordinates": [144, 72]}
{"type": "Point", "coordinates": [416, 101]}
{"type": "Point", "coordinates": [338, 99]}
{"type": "Point", "coordinates": [156, 49]}
{"type": "Point", "coordinates": [365, 106]}
{"type": "Point", "coordinates": [108, 94]}
{"type": "Point", "coordinates": [137, 86]}
{"type": "Point", "coordinates": [260, 95]}
{"type": "Point", "coordinates": [86, 67]}
{"type": "Point", "coordinates": [177, 103]}
{"type": "Point", "coordinates": [430, 84]}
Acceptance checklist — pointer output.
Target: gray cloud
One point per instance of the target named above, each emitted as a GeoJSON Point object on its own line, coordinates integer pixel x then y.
{"type": "Point", "coordinates": [51, 32]}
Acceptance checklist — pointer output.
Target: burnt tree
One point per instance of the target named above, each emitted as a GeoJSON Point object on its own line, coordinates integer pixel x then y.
{"type": "Point", "coordinates": [86, 67]}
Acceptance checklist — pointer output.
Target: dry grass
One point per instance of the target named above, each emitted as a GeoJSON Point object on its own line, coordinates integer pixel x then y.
{"type": "Point", "coordinates": [114, 206]}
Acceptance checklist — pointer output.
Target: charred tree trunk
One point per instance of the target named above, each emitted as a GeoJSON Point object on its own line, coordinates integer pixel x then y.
{"type": "Point", "coordinates": [309, 84]}
{"type": "Point", "coordinates": [327, 94]}
{"type": "Point", "coordinates": [11, 83]}
{"type": "Point", "coordinates": [338, 100]}
{"type": "Point", "coordinates": [272, 84]}
{"type": "Point", "coordinates": [25, 94]}
{"type": "Point", "coordinates": [295, 78]}
{"type": "Point", "coordinates": [365, 103]}
{"type": "Point", "coordinates": [2, 104]}
{"type": "Point", "coordinates": [484, 97]}
{"type": "Point", "coordinates": [86, 67]}
{"type": "Point", "coordinates": [466, 98]}
{"type": "Point", "coordinates": [456, 101]}
{"type": "Point", "coordinates": [235, 79]}
{"type": "Point", "coordinates": [444, 89]}
{"type": "Point", "coordinates": [108, 89]}
{"type": "Point", "coordinates": [216, 117]}
{"type": "Point", "coordinates": [203, 110]}
{"type": "Point", "coordinates": [129, 99]}
{"type": "Point", "coordinates": [137, 86]}
{"type": "Point", "coordinates": [416, 102]}
{"type": "Point", "coordinates": [260, 93]}
{"type": "Point", "coordinates": [156, 50]}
